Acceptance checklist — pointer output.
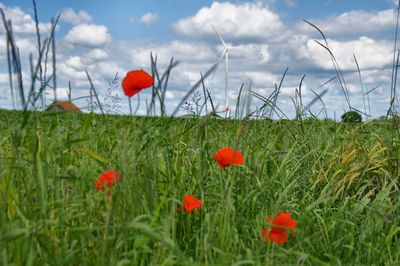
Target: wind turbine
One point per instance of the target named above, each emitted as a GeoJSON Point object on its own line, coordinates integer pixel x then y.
{"type": "Point", "coordinates": [225, 53]}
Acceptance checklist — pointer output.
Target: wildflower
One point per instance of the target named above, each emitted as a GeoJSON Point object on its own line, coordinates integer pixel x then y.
{"type": "Point", "coordinates": [107, 179]}
{"type": "Point", "coordinates": [280, 224]}
{"type": "Point", "coordinates": [227, 157]}
{"type": "Point", "coordinates": [190, 203]}
{"type": "Point", "coordinates": [135, 81]}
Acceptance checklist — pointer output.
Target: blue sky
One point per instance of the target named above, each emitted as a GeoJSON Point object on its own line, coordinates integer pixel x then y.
{"type": "Point", "coordinates": [116, 15]}
{"type": "Point", "coordinates": [266, 37]}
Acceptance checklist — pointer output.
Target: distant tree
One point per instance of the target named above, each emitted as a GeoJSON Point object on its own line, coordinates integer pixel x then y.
{"type": "Point", "coordinates": [352, 117]}
{"type": "Point", "coordinates": [213, 114]}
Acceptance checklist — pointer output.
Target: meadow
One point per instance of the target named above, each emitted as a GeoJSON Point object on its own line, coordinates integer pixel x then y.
{"type": "Point", "coordinates": [339, 181]}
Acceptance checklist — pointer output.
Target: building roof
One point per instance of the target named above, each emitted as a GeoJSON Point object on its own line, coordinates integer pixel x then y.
{"type": "Point", "coordinates": [63, 106]}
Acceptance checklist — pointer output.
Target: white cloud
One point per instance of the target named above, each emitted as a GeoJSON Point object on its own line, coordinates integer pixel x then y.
{"type": "Point", "coordinates": [74, 18]}
{"type": "Point", "coordinates": [181, 51]}
{"type": "Point", "coordinates": [169, 95]}
{"type": "Point", "coordinates": [62, 93]}
{"type": "Point", "coordinates": [96, 62]}
{"type": "Point", "coordinates": [96, 55]}
{"type": "Point", "coordinates": [375, 76]}
{"type": "Point", "coordinates": [23, 23]}
{"type": "Point", "coordinates": [257, 53]}
{"type": "Point", "coordinates": [75, 63]}
{"type": "Point", "coordinates": [25, 46]}
{"type": "Point", "coordinates": [246, 62]}
{"type": "Point", "coordinates": [354, 88]}
{"type": "Point", "coordinates": [262, 78]}
{"type": "Point", "coordinates": [4, 79]}
{"type": "Point", "coordinates": [3, 51]}
{"type": "Point", "coordinates": [89, 35]}
{"type": "Point", "coordinates": [106, 69]}
{"type": "Point", "coordinates": [358, 22]}
{"type": "Point", "coordinates": [370, 53]}
{"type": "Point", "coordinates": [149, 18]}
{"type": "Point", "coordinates": [236, 21]}
{"type": "Point", "coordinates": [72, 69]}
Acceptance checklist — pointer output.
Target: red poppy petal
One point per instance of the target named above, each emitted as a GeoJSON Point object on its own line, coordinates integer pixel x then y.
{"type": "Point", "coordinates": [278, 237]}
{"type": "Point", "coordinates": [190, 203]}
{"type": "Point", "coordinates": [135, 81]}
{"type": "Point", "coordinates": [227, 157]}
{"type": "Point", "coordinates": [238, 158]}
{"type": "Point", "coordinates": [224, 157]}
{"type": "Point", "coordinates": [107, 178]}
{"type": "Point", "coordinates": [283, 219]}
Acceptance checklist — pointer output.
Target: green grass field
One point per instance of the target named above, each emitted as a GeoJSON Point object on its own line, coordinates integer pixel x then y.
{"type": "Point", "coordinates": [339, 182]}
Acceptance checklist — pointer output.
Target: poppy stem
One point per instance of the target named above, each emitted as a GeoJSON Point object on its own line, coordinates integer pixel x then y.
{"type": "Point", "coordinates": [130, 106]}
{"type": "Point", "coordinates": [138, 104]}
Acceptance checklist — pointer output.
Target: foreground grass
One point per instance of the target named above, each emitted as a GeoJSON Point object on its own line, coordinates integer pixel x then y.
{"type": "Point", "coordinates": [337, 181]}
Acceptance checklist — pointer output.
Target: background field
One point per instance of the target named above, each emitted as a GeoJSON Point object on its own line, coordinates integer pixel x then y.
{"type": "Point", "coordinates": [338, 180]}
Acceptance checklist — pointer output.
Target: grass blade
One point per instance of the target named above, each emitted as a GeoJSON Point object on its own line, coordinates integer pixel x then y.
{"type": "Point", "coordinates": [194, 87]}
{"type": "Point", "coordinates": [94, 91]}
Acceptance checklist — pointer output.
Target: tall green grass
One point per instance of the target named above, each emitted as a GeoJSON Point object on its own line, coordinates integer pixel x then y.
{"type": "Point", "coordinates": [334, 178]}
{"type": "Point", "coordinates": [339, 180]}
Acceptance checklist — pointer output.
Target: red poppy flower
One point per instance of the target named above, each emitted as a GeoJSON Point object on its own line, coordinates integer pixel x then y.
{"type": "Point", "coordinates": [280, 224]}
{"type": "Point", "coordinates": [135, 81]}
{"type": "Point", "coordinates": [227, 157]}
{"type": "Point", "coordinates": [107, 179]}
{"type": "Point", "coordinates": [190, 203]}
